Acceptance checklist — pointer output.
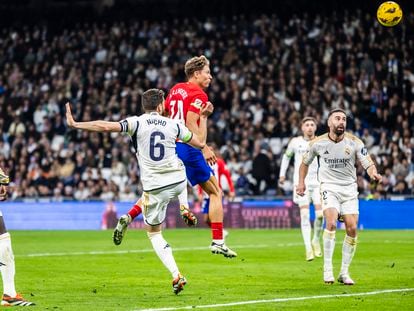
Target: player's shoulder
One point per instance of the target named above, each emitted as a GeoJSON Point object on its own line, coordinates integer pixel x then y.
{"type": "Point", "coordinates": [353, 138]}
{"type": "Point", "coordinates": [196, 91]}
{"type": "Point", "coordinates": [319, 139]}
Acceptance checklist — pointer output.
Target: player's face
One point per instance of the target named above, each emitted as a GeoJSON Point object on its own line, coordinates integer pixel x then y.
{"type": "Point", "coordinates": [161, 108]}
{"type": "Point", "coordinates": [204, 77]}
{"type": "Point", "coordinates": [337, 123]}
{"type": "Point", "coordinates": [309, 128]}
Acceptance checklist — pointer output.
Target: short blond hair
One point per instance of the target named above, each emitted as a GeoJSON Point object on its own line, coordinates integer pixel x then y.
{"type": "Point", "coordinates": [306, 119]}
{"type": "Point", "coordinates": [195, 64]}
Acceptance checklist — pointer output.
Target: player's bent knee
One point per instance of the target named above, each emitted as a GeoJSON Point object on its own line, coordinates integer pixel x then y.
{"type": "Point", "coordinates": [211, 187]}
{"type": "Point", "coordinates": [351, 231]}
{"type": "Point", "coordinates": [331, 226]}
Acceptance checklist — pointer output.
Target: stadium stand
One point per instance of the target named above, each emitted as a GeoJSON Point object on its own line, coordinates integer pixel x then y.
{"type": "Point", "coordinates": [269, 71]}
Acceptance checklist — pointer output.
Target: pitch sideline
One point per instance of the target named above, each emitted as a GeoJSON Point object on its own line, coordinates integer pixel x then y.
{"type": "Point", "coordinates": [251, 302]}
{"type": "Point", "coordinates": [150, 250]}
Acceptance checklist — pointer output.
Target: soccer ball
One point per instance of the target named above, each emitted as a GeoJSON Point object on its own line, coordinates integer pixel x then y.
{"type": "Point", "coordinates": [389, 14]}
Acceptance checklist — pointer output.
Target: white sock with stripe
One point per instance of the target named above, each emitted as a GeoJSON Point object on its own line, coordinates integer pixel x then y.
{"type": "Point", "coordinates": [317, 226]}
{"type": "Point", "coordinates": [348, 251]}
{"type": "Point", "coordinates": [328, 248]}
{"type": "Point", "coordinates": [164, 252]}
{"type": "Point", "coordinates": [305, 228]}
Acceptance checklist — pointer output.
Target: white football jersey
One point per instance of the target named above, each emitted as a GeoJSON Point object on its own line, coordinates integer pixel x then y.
{"type": "Point", "coordinates": [154, 137]}
{"type": "Point", "coordinates": [296, 148]}
{"type": "Point", "coordinates": [337, 161]}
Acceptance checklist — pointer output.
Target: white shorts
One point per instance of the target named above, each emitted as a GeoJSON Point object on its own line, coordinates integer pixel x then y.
{"type": "Point", "coordinates": [312, 195]}
{"type": "Point", "coordinates": [155, 202]}
{"type": "Point", "coordinates": [343, 198]}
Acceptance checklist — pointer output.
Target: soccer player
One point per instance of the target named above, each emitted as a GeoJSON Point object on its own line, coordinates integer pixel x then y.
{"type": "Point", "coordinates": [337, 152]}
{"type": "Point", "coordinates": [162, 172]}
{"type": "Point", "coordinates": [183, 103]}
{"type": "Point", "coordinates": [296, 148]}
{"type": "Point", "coordinates": [220, 170]}
{"type": "Point", "coordinates": [7, 267]}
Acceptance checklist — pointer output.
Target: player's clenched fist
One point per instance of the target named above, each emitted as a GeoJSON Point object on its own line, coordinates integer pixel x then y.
{"type": "Point", "coordinates": [300, 189]}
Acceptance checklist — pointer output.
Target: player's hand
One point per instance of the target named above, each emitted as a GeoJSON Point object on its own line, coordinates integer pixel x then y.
{"type": "Point", "coordinates": [373, 174]}
{"type": "Point", "coordinates": [209, 155]}
{"type": "Point", "coordinates": [69, 118]}
{"type": "Point", "coordinates": [3, 193]}
{"type": "Point", "coordinates": [300, 189]}
{"type": "Point", "coordinates": [207, 110]}
{"type": "Point", "coordinates": [232, 195]}
{"type": "Point", "coordinates": [376, 177]}
{"type": "Point", "coordinates": [282, 180]}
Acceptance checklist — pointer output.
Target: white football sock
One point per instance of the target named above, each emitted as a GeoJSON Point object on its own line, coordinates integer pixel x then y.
{"type": "Point", "coordinates": [164, 252]}
{"type": "Point", "coordinates": [306, 228]}
{"type": "Point", "coordinates": [348, 251]}
{"type": "Point", "coordinates": [328, 248]}
{"type": "Point", "coordinates": [317, 226]}
{"type": "Point", "coordinates": [183, 197]}
{"type": "Point", "coordinates": [7, 266]}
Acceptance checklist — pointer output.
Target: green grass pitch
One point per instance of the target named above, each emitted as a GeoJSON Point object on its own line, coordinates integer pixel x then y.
{"type": "Point", "coordinates": [83, 270]}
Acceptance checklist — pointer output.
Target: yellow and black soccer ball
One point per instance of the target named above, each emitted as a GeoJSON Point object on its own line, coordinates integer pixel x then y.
{"type": "Point", "coordinates": [389, 14]}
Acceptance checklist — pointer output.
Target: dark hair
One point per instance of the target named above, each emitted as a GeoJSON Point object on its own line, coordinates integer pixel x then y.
{"type": "Point", "coordinates": [305, 119]}
{"type": "Point", "coordinates": [151, 99]}
{"type": "Point", "coordinates": [336, 110]}
{"type": "Point", "coordinates": [195, 64]}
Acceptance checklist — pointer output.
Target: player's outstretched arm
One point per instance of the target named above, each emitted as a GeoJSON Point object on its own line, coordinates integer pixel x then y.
{"type": "Point", "coordinates": [93, 126]}
{"type": "Point", "coordinates": [303, 171]}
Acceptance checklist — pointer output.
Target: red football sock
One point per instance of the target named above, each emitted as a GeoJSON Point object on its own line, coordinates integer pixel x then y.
{"type": "Point", "coordinates": [217, 230]}
{"type": "Point", "coordinates": [134, 211]}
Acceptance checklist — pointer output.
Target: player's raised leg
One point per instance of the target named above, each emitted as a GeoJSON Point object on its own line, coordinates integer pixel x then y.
{"type": "Point", "coordinates": [124, 221]}
{"type": "Point", "coordinates": [189, 218]}
{"type": "Point", "coordinates": [216, 218]}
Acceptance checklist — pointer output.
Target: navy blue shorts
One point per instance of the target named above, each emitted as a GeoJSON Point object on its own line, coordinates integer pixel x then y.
{"type": "Point", "coordinates": [196, 167]}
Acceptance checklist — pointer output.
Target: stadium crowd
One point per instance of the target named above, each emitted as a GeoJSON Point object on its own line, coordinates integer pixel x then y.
{"type": "Point", "coordinates": [267, 76]}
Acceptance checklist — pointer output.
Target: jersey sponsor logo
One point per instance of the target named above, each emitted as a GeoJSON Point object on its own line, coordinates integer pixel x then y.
{"type": "Point", "coordinates": [326, 152]}
{"type": "Point", "coordinates": [364, 151]}
{"type": "Point", "coordinates": [337, 163]}
{"type": "Point", "coordinates": [197, 103]}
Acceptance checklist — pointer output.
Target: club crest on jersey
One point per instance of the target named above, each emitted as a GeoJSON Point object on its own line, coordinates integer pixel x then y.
{"type": "Point", "coordinates": [197, 103]}
{"type": "Point", "coordinates": [347, 150]}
